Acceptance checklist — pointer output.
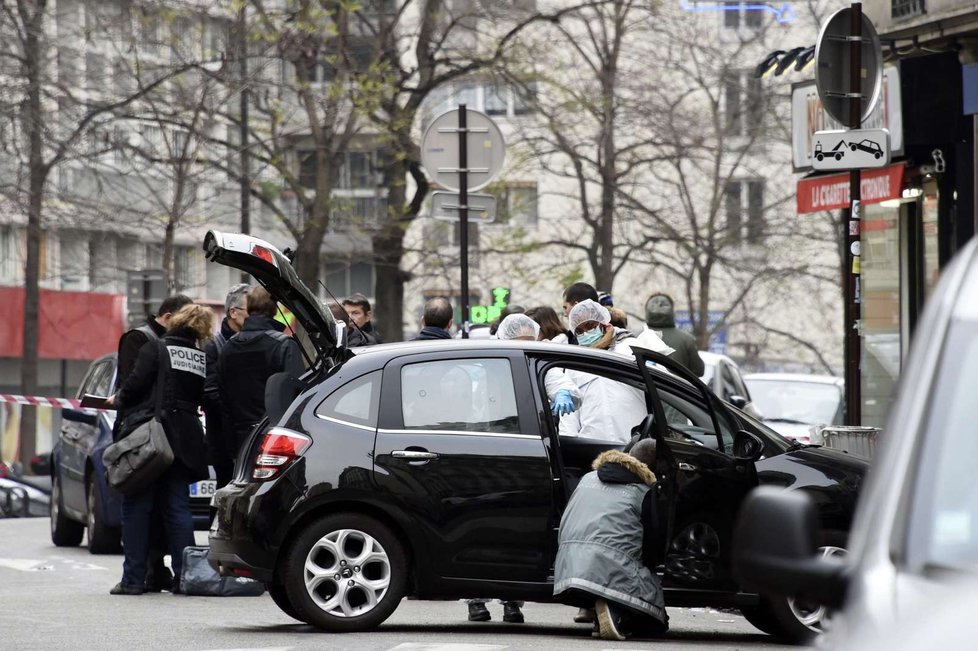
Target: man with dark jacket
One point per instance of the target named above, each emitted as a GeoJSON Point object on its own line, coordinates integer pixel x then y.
{"type": "Point", "coordinates": [436, 321]}
{"type": "Point", "coordinates": [246, 362]}
{"type": "Point", "coordinates": [158, 577]}
{"type": "Point", "coordinates": [608, 545]}
{"type": "Point", "coordinates": [358, 308]}
{"type": "Point", "coordinates": [219, 447]}
{"type": "Point", "coordinates": [660, 317]}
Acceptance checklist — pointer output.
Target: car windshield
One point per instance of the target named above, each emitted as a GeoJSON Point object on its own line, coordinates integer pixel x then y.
{"type": "Point", "coordinates": [811, 403]}
{"type": "Point", "coordinates": [944, 531]}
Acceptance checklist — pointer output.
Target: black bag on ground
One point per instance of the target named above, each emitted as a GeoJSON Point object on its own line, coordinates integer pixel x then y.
{"type": "Point", "coordinates": [200, 579]}
{"type": "Point", "coordinates": [141, 458]}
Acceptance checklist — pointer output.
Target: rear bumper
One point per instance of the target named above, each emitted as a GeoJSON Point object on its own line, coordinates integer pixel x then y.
{"type": "Point", "coordinates": [240, 535]}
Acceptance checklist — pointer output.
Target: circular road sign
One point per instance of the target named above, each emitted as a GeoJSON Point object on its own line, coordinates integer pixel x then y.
{"type": "Point", "coordinates": [440, 149]}
{"type": "Point", "coordinates": [832, 67]}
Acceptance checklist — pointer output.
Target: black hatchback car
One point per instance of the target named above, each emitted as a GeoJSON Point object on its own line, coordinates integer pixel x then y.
{"type": "Point", "coordinates": [435, 469]}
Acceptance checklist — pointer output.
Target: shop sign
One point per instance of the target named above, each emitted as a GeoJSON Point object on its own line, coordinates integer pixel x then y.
{"type": "Point", "coordinates": [832, 192]}
{"type": "Point", "coordinates": [808, 116]}
{"type": "Point", "coordinates": [489, 313]}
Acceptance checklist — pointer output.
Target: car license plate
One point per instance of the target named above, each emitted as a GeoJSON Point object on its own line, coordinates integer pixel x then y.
{"type": "Point", "coordinates": [205, 488]}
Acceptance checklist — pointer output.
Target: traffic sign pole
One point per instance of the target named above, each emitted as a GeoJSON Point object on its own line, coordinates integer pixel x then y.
{"type": "Point", "coordinates": [463, 214]}
{"type": "Point", "coordinates": [851, 273]}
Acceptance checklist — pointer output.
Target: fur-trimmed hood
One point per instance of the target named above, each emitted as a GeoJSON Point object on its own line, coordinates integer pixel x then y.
{"type": "Point", "coordinates": [626, 461]}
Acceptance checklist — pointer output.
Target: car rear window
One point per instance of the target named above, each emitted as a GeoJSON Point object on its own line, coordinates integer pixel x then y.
{"type": "Point", "coordinates": [357, 401]}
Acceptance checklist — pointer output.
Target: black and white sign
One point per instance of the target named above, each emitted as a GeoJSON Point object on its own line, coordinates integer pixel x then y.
{"type": "Point", "coordinates": [188, 359]}
{"type": "Point", "coordinates": [854, 149]}
{"type": "Point", "coordinates": [446, 206]}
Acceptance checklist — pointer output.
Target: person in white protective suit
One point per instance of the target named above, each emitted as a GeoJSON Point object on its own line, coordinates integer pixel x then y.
{"type": "Point", "coordinates": [609, 408]}
{"type": "Point", "coordinates": [562, 391]}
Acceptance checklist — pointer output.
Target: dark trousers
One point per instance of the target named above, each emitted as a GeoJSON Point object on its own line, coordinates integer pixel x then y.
{"type": "Point", "coordinates": [171, 493]}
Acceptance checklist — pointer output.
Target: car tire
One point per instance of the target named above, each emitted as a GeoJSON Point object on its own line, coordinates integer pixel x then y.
{"type": "Point", "coordinates": [359, 561]}
{"type": "Point", "coordinates": [101, 538]}
{"type": "Point", "coordinates": [64, 531]}
{"type": "Point", "coordinates": [788, 619]}
{"type": "Point", "coordinates": [281, 599]}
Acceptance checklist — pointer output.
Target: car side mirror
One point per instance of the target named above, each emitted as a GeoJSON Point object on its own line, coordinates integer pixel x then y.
{"type": "Point", "coordinates": [747, 446]}
{"type": "Point", "coordinates": [738, 401]}
{"type": "Point", "coordinates": [774, 549]}
{"type": "Point", "coordinates": [79, 416]}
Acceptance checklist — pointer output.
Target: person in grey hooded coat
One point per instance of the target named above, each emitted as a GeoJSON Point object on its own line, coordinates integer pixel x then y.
{"type": "Point", "coordinates": [660, 318]}
{"type": "Point", "coordinates": [607, 545]}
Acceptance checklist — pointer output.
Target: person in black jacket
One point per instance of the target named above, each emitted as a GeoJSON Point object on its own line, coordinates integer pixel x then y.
{"type": "Point", "coordinates": [436, 321]}
{"type": "Point", "coordinates": [358, 307]}
{"type": "Point", "coordinates": [158, 578]}
{"type": "Point", "coordinates": [220, 451]}
{"type": "Point", "coordinates": [246, 362]}
{"type": "Point", "coordinates": [178, 392]}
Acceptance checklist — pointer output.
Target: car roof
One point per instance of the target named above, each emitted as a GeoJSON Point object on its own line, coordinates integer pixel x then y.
{"type": "Point", "coordinates": [713, 358]}
{"type": "Point", "coordinates": [795, 377]}
{"type": "Point", "coordinates": [409, 347]}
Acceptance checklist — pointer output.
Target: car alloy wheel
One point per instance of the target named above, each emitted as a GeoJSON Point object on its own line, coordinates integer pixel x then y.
{"type": "Point", "coordinates": [101, 538]}
{"type": "Point", "coordinates": [813, 615]}
{"type": "Point", "coordinates": [693, 554]}
{"type": "Point", "coordinates": [345, 572]}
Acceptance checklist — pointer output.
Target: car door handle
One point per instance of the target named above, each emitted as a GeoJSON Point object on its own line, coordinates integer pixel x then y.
{"type": "Point", "coordinates": [414, 455]}
{"type": "Point", "coordinates": [687, 466]}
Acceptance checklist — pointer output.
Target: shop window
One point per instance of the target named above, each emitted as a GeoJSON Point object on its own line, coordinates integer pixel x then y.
{"type": "Point", "coordinates": [744, 208]}
{"type": "Point", "coordinates": [740, 19]}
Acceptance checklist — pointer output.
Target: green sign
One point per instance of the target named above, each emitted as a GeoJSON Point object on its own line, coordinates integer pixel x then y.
{"type": "Point", "coordinates": [489, 313]}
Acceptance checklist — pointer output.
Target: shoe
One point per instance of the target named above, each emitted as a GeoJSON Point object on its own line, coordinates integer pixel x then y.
{"type": "Point", "coordinates": [159, 580]}
{"type": "Point", "coordinates": [512, 613]}
{"type": "Point", "coordinates": [175, 586]}
{"type": "Point", "coordinates": [123, 589]}
{"type": "Point", "coordinates": [479, 613]}
{"type": "Point", "coordinates": [608, 622]}
{"type": "Point", "coordinates": [584, 616]}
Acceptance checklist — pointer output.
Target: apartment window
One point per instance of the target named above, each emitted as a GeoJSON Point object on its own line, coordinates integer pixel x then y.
{"type": "Point", "coordinates": [358, 171]}
{"type": "Point", "coordinates": [516, 205]}
{"type": "Point", "coordinates": [743, 103]}
{"type": "Point", "coordinates": [185, 263]}
{"type": "Point", "coordinates": [345, 278]}
{"type": "Point", "coordinates": [356, 58]}
{"type": "Point", "coordinates": [738, 16]}
{"type": "Point", "coordinates": [9, 260]}
{"type": "Point", "coordinates": [744, 208]}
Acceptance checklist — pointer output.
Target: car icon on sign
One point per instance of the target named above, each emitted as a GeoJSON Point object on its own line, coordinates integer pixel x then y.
{"type": "Point", "coordinates": [867, 146]}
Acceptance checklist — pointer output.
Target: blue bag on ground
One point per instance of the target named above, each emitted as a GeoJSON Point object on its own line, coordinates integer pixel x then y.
{"type": "Point", "coordinates": [200, 579]}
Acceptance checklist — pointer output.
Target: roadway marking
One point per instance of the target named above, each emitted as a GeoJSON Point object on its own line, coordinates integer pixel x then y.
{"type": "Point", "coordinates": [448, 646]}
{"type": "Point", "coordinates": [33, 565]}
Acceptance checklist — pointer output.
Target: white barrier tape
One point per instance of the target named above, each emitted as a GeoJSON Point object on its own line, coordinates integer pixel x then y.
{"type": "Point", "coordinates": [41, 401]}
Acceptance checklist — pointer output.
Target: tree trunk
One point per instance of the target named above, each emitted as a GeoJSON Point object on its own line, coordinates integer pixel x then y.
{"type": "Point", "coordinates": [38, 172]}
{"type": "Point", "coordinates": [308, 256]}
{"type": "Point", "coordinates": [702, 325]}
{"type": "Point", "coordinates": [169, 266]}
{"type": "Point", "coordinates": [388, 248]}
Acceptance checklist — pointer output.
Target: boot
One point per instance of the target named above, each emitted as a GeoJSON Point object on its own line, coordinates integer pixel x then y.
{"type": "Point", "coordinates": [512, 613]}
{"type": "Point", "coordinates": [479, 613]}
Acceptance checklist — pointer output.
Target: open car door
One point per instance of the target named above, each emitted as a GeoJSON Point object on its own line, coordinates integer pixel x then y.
{"type": "Point", "coordinates": [273, 270]}
{"type": "Point", "coordinates": [703, 482]}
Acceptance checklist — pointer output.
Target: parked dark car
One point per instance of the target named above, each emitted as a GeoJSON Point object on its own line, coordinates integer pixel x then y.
{"type": "Point", "coordinates": [434, 469]}
{"type": "Point", "coordinates": [81, 501]}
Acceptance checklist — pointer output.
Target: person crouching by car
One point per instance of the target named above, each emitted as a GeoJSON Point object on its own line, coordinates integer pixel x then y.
{"type": "Point", "coordinates": [179, 391]}
{"type": "Point", "coordinates": [607, 545]}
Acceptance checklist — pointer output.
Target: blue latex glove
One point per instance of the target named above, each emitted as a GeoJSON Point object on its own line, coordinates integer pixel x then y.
{"type": "Point", "coordinates": [563, 403]}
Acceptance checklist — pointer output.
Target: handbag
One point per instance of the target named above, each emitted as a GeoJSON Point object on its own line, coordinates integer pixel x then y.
{"type": "Point", "coordinates": [138, 460]}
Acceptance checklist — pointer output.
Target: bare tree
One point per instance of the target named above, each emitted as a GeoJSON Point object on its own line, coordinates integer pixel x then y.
{"type": "Point", "coordinates": [45, 121]}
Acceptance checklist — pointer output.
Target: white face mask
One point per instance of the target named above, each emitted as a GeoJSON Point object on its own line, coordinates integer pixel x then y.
{"type": "Point", "coordinates": [590, 337]}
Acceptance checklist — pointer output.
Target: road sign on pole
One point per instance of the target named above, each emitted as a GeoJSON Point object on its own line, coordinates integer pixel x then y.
{"type": "Point", "coordinates": [463, 150]}
{"type": "Point", "coordinates": [447, 206]}
{"type": "Point", "coordinates": [850, 149]}
{"type": "Point", "coordinates": [441, 144]}
{"type": "Point", "coordinates": [839, 82]}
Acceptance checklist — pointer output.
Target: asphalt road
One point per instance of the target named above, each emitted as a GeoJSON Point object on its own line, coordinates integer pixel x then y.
{"type": "Point", "coordinates": [58, 598]}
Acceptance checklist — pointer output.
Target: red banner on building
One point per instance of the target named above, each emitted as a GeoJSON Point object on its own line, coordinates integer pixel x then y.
{"type": "Point", "coordinates": [832, 192]}
{"type": "Point", "coordinates": [74, 325]}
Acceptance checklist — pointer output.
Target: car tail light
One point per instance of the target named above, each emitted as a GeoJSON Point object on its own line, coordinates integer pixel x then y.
{"type": "Point", "coordinates": [260, 251]}
{"type": "Point", "coordinates": [278, 450]}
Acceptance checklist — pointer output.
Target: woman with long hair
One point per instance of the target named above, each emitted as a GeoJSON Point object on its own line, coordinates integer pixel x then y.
{"type": "Point", "coordinates": [174, 392]}
{"type": "Point", "coordinates": [551, 329]}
